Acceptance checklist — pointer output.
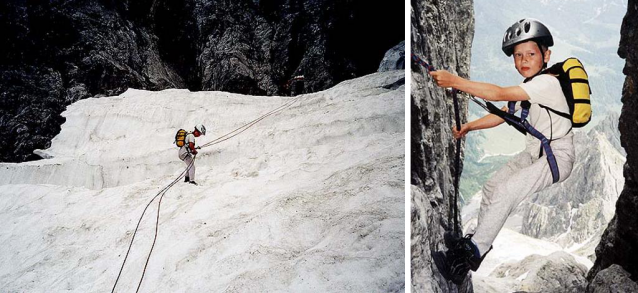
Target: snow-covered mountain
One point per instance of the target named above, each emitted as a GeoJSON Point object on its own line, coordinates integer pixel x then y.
{"type": "Point", "coordinates": [308, 200]}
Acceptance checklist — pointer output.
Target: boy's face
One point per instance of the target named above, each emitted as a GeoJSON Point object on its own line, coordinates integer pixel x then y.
{"type": "Point", "coordinates": [528, 59]}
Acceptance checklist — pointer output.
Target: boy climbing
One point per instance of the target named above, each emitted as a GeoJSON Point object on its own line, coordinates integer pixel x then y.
{"type": "Point", "coordinates": [549, 153]}
{"type": "Point", "coordinates": [186, 142]}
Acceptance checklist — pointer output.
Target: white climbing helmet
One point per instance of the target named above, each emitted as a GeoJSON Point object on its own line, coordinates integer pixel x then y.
{"type": "Point", "coordinates": [201, 128]}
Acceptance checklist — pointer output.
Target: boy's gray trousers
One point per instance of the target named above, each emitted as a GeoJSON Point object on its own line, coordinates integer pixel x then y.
{"type": "Point", "coordinates": [522, 176]}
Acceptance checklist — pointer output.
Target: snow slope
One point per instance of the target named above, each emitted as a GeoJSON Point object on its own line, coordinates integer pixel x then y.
{"type": "Point", "coordinates": [309, 200]}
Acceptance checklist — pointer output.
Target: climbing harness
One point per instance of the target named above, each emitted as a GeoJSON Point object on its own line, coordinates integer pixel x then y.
{"type": "Point", "coordinates": [163, 191]}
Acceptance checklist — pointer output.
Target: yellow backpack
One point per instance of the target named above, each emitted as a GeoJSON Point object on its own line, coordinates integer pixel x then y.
{"type": "Point", "coordinates": [574, 82]}
{"type": "Point", "coordinates": [180, 138]}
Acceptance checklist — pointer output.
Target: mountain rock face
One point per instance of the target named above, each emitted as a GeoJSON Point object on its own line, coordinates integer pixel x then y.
{"type": "Point", "coordinates": [619, 243]}
{"type": "Point", "coordinates": [442, 35]}
{"type": "Point", "coordinates": [579, 208]}
{"type": "Point", "coordinates": [612, 280]}
{"type": "Point", "coordinates": [394, 59]}
{"type": "Point", "coordinates": [57, 52]}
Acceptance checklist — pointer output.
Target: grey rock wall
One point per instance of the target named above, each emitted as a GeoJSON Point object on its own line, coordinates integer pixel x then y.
{"type": "Point", "coordinates": [619, 243]}
{"type": "Point", "coordinates": [442, 33]}
{"type": "Point", "coordinates": [612, 280]}
{"type": "Point", "coordinates": [394, 59]}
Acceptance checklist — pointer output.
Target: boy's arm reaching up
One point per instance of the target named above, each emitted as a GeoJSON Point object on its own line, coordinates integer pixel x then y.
{"type": "Point", "coordinates": [486, 91]}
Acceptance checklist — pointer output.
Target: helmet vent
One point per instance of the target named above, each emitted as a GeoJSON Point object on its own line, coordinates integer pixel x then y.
{"type": "Point", "coordinates": [518, 32]}
{"type": "Point", "coordinates": [527, 25]}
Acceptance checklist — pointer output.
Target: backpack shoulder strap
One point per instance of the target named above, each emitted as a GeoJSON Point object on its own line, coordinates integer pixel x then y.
{"type": "Point", "coordinates": [561, 114]}
{"type": "Point", "coordinates": [555, 70]}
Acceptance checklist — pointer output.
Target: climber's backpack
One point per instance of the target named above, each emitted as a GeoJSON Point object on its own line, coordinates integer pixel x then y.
{"type": "Point", "coordinates": [180, 138]}
{"type": "Point", "coordinates": [575, 85]}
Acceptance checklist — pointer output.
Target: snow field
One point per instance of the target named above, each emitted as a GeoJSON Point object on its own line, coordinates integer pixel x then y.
{"type": "Point", "coordinates": [307, 200]}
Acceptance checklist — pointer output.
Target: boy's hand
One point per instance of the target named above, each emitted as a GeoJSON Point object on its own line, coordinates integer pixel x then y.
{"type": "Point", "coordinates": [458, 134]}
{"type": "Point", "coordinates": [443, 78]}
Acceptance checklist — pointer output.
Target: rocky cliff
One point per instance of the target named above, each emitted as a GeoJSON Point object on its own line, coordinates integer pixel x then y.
{"type": "Point", "coordinates": [619, 243]}
{"type": "Point", "coordinates": [394, 59]}
{"type": "Point", "coordinates": [57, 52]}
{"type": "Point", "coordinates": [441, 33]}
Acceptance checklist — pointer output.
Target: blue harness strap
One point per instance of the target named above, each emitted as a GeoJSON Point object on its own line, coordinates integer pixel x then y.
{"type": "Point", "coordinates": [551, 159]}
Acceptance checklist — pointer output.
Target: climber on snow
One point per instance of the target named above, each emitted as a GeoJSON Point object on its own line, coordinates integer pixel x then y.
{"type": "Point", "coordinates": [542, 97]}
{"type": "Point", "coordinates": [187, 150]}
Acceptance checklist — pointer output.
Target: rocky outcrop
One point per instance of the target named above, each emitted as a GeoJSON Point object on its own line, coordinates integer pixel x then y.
{"type": "Point", "coordinates": [394, 59]}
{"type": "Point", "coordinates": [441, 33]}
{"type": "Point", "coordinates": [619, 243]}
{"type": "Point", "coordinates": [57, 52]}
{"type": "Point", "coordinates": [558, 272]}
{"type": "Point", "coordinates": [612, 280]}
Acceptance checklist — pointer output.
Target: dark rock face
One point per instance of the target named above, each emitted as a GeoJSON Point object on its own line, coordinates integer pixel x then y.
{"type": "Point", "coordinates": [619, 243]}
{"type": "Point", "coordinates": [612, 280]}
{"type": "Point", "coordinates": [394, 59]}
{"type": "Point", "coordinates": [442, 33]}
{"type": "Point", "coordinates": [57, 52]}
